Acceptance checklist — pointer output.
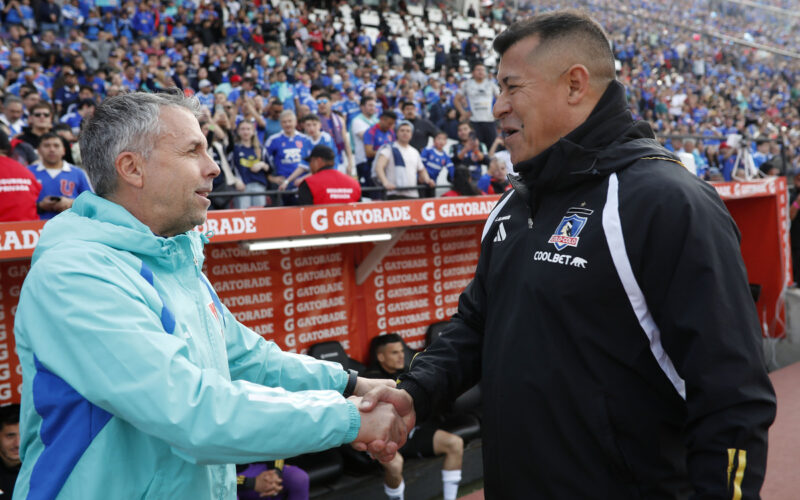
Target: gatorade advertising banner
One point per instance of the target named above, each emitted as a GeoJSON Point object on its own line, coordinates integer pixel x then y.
{"type": "Point", "coordinates": [295, 297]}
{"type": "Point", "coordinates": [12, 274]}
{"type": "Point", "coordinates": [418, 283]}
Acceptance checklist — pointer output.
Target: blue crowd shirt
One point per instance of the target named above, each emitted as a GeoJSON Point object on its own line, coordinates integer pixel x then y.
{"type": "Point", "coordinates": [69, 183]}
{"type": "Point", "coordinates": [285, 153]}
{"type": "Point", "coordinates": [435, 160]}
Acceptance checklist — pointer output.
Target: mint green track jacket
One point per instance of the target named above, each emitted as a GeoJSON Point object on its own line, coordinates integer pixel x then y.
{"type": "Point", "coordinates": [139, 383]}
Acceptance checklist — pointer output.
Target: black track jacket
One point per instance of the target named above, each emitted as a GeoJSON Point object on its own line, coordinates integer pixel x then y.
{"type": "Point", "coordinates": [612, 328]}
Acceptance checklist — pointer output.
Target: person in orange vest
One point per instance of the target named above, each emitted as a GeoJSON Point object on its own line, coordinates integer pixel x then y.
{"type": "Point", "coordinates": [326, 185]}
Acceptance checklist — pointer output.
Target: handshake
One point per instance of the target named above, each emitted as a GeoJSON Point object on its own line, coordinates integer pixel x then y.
{"type": "Point", "coordinates": [387, 416]}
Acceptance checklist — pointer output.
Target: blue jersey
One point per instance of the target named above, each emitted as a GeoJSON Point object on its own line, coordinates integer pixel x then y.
{"type": "Point", "coordinates": [435, 160]}
{"type": "Point", "coordinates": [242, 159]}
{"type": "Point", "coordinates": [285, 153]}
{"type": "Point", "coordinates": [377, 137]}
{"type": "Point", "coordinates": [324, 139]}
{"type": "Point", "coordinates": [73, 119]}
{"type": "Point", "coordinates": [69, 183]}
{"type": "Point", "coordinates": [206, 100]}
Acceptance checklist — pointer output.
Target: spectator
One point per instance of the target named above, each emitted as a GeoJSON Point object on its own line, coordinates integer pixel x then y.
{"type": "Point", "coordinates": [74, 119]}
{"type": "Point", "coordinates": [273, 119]}
{"type": "Point", "coordinates": [469, 151]}
{"type": "Point", "coordinates": [229, 178]}
{"type": "Point", "coordinates": [398, 165]}
{"type": "Point", "coordinates": [474, 102]}
{"type": "Point", "coordinates": [379, 134]}
{"type": "Point", "coordinates": [19, 189]}
{"type": "Point", "coordinates": [312, 127]}
{"type": "Point", "coordinates": [272, 479]}
{"type": "Point", "coordinates": [285, 149]}
{"type": "Point", "coordinates": [40, 122]}
{"type": "Point", "coordinates": [9, 449]}
{"type": "Point", "coordinates": [335, 126]}
{"type": "Point", "coordinates": [436, 159]}
{"type": "Point", "coordinates": [361, 123]}
{"type": "Point", "coordinates": [326, 184]}
{"type": "Point", "coordinates": [427, 439]}
{"type": "Point", "coordinates": [423, 129]}
{"type": "Point", "coordinates": [12, 115]}
{"type": "Point", "coordinates": [246, 160]}
{"type": "Point", "coordinates": [206, 94]}
{"type": "Point", "coordinates": [190, 387]}
{"type": "Point", "coordinates": [495, 181]}
{"type": "Point", "coordinates": [66, 94]}
{"type": "Point", "coordinates": [61, 182]}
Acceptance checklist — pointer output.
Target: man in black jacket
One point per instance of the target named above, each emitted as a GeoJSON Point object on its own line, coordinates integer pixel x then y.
{"type": "Point", "coordinates": [609, 320]}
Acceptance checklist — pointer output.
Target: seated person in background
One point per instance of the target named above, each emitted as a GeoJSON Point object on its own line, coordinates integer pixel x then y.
{"type": "Point", "coordinates": [273, 479]}
{"type": "Point", "coordinates": [495, 181]}
{"type": "Point", "coordinates": [61, 182]}
{"type": "Point", "coordinates": [424, 440]}
{"type": "Point", "coordinates": [326, 184]}
{"type": "Point", "coordinates": [9, 449]}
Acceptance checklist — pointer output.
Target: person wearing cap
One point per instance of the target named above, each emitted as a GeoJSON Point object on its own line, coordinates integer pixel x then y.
{"type": "Point", "coordinates": [68, 92]}
{"type": "Point", "coordinates": [326, 185]}
{"type": "Point", "coordinates": [399, 164]}
{"type": "Point", "coordinates": [206, 94]}
{"type": "Point", "coordinates": [18, 187]}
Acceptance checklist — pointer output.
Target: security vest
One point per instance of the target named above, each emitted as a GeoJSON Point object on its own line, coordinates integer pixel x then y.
{"type": "Point", "coordinates": [331, 186]}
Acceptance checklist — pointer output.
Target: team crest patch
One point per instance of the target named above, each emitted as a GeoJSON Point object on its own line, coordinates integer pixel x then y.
{"type": "Point", "coordinates": [566, 234]}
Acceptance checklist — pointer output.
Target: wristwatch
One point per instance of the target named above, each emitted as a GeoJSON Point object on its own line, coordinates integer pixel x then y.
{"type": "Point", "coordinates": [352, 379]}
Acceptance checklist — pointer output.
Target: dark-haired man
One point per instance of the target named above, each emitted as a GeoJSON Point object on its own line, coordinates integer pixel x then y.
{"type": "Point", "coordinates": [9, 449]}
{"type": "Point", "coordinates": [61, 182]}
{"type": "Point", "coordinates": [609, 320]}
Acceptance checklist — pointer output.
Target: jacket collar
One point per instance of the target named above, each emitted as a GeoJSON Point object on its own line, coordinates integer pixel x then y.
{"type": "Point", "coordinates": [576, 156]}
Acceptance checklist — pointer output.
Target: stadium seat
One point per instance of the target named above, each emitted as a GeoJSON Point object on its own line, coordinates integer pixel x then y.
{"type": "Point", "coordinates": [332, 350]}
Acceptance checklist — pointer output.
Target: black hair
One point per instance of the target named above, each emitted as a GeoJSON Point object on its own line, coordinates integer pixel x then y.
{"type": "Point", "coordinates": [584, 33]}
{"type": "Point", "coordinates": [389, 114]}
{"type": "Point", "coordinates": [9, 414]}
{"type": "Point", "coordinates": [378, 342]}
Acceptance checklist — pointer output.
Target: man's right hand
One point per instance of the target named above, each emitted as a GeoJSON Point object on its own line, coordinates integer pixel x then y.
{"type": "Point", "coordinates": [403, 405]}
{"type": "Point", "coordinates": [383, 430]}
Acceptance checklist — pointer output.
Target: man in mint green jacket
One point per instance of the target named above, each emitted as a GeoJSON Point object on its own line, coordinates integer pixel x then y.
{"type": "Point", "coordinates": [137, 381]}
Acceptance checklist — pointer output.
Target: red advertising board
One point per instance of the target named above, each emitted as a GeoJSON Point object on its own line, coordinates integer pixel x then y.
{"type": "Point", "coordinates": [419, 281]}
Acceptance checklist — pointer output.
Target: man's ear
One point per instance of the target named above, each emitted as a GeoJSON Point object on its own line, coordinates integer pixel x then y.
{"type": "Point", "coordinates": [578, 80]}
{"type": "Point", "coordinates": [129, 167]}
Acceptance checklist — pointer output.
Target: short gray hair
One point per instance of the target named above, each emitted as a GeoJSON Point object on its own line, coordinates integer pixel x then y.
{"type": "Point", "coordinates": [127, 122]}
{"type": "Point", "coordinates": [10, 99]}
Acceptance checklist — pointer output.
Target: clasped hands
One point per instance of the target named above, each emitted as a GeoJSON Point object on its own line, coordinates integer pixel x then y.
{"type": "Point", "coordinates": [387, 416]}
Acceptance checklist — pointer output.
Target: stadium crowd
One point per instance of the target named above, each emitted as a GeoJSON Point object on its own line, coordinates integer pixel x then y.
{"type": "Point", "coordinates": [278, 78]}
